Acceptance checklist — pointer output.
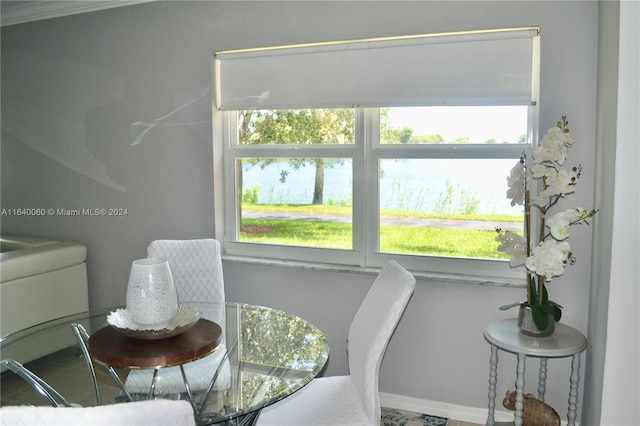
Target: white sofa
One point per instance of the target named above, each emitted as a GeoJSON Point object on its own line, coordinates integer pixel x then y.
{"type": "Point", "coordinates": [40, 280]}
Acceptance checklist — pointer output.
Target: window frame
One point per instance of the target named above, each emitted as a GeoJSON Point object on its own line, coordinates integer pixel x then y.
{"type": "Point", "coordinates": [366, 152]}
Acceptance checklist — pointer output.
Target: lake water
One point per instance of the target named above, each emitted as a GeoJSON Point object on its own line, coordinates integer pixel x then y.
{"type": "Point", "coordinates": [424, 185]}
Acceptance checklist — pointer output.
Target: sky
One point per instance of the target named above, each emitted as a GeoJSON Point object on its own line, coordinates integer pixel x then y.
{"type": "Point", "coordinates": [505, 123]}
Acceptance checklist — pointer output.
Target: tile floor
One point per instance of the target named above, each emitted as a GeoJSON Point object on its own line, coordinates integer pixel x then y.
{"type": "Point", "coordinates": [66, 371]}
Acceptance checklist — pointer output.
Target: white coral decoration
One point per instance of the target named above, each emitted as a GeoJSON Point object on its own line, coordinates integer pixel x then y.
{"type": "Point", "coordinates": [549, 258]}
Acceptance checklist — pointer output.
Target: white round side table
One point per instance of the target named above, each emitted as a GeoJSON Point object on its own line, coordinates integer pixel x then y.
{"type": "Point", "coordinates": [564, 342]}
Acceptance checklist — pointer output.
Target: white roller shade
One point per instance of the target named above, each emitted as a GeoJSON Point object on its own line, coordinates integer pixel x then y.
{"type": "Point", "coordinates": [492, 67]}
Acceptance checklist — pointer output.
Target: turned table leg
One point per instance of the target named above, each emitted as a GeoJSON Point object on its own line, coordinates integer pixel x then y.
{"type": "Point", "coordinates": [573, 389]}
{"type": "Point", "coordinates": [493, 379]}
{"type": "Point", "coordinates": [542, 379]}
{"type": "Point", "coordinates": [517, 421]}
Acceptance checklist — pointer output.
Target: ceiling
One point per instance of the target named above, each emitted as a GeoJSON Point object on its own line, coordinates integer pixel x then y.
{"type": "Point", "coordinates": [20, 11]}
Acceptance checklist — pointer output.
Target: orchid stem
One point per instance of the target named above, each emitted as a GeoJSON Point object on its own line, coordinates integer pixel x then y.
{"type": "Point", "coordinates": [527, 233]}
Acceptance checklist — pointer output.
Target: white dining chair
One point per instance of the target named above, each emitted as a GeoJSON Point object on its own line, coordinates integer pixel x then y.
{"type": "Point", "coordinates": [196, 267]}
{"type": "Point", "coordinates": [158, 412]}
{"type": "Point", "coordinates": [352, 400]}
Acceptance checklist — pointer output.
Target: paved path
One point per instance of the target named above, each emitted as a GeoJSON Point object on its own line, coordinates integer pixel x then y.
{"type": "Point", "coordinates": [389, 221]}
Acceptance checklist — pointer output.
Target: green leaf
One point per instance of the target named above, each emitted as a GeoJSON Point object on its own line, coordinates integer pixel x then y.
{"type": "Point", "coordinates": [533, 290]}
{"type": "Point", "coordinates": [512, 305]}
{"type": "Point", "coordinates": [540, 317]}
{"type": "Point", "coordinates": [545, 295]}
{"type": "Point", "coordinates": [555, 304]}
{"type": "Point", "coordinates": [549, 309]}
{"type": "Point", "coordinates": [552, 308]}
{"type": "Point", "coordinates": [557, 314]}
{"type": "Point", "coordinates": [557, 311]}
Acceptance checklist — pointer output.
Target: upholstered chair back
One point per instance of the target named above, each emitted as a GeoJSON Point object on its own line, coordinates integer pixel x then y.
{"type": "Point", "coordinates": [196, 266]}
{"type": "Point", "coordinates": [372, 327]}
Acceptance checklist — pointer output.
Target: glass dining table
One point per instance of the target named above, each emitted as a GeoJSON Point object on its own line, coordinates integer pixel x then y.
{"type": "Point", "coordinates": [246, 356]}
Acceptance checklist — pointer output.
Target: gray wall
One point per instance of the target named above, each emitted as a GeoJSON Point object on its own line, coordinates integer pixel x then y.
{"type": "Point", "coordinates": [608, 18]}
{"type": "Point", "coordinates": [619, 381]}
{"type": "Point", "coordinates": [73, 88]}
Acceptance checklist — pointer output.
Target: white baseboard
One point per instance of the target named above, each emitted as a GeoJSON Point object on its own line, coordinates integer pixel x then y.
{"type": "Point", "coordinates": [444, 409]}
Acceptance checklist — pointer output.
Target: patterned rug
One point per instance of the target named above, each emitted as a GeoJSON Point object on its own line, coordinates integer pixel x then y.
{"type": "Point", "coordinates": [394, 417]}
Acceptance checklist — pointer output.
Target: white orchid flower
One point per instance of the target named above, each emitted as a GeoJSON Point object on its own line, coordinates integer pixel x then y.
{"type": "Point", "coordinates": [542, 170]}
{"type": "Point", "coordinates": [561, 184]}
{"type": "Point", "coordinates": [550, 254]}
{"type": "Point", "coordinates": [516, 183]}
{"type": "Point", "coordinates": [514, 245]}
{"type": "Point", "coordinates": [559, 223]}
{"type": "Point", "coordinates": [550, 151]}
{"type": "Point", "coordinates": [560, 135]}
{"type": "Point", "coordinates": [549, 259]}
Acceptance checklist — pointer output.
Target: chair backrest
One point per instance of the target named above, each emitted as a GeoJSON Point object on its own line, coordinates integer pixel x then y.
{"type": "Point", "coordinates": [196, 267]}
{"type": "Point", "coordinates": [372, 327]}
{"type": "Point", "coordinates": [158, 412]}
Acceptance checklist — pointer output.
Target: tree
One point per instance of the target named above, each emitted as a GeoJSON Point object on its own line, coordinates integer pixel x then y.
{"type": "Point", "coordinates": [432, 138]}
{"type": "Point", "coordinates": [389, 134]}
{"type": "Point", "coordinates": [396, 135]}
{"type": "Point", "coordinates": [298, 127]}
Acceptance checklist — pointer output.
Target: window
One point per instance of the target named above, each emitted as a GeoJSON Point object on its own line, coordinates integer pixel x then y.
{"type": "Point", "coordinates": [411, 180]}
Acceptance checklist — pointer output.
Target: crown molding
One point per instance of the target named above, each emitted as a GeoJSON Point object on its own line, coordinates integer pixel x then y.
{"type": "Point", "coordinates": [18, 12]}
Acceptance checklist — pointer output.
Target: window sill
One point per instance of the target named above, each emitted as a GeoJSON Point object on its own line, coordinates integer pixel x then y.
{"type": "Point", "coordinates": [420, 275]}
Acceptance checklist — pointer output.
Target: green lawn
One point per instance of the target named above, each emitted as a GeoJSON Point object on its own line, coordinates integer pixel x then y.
{"type": "Point", "coordinates": [393, 239]}
{"type": "Point", "coordinates": [326, 209]}
{"type": "Point", "coordinates": [439, 242]}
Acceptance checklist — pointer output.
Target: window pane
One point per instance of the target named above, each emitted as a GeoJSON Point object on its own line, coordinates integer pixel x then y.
{"type": "Point", "coordinates": [445, 207]}
{"type": "Point", "coordinates": [307, 126]}
{"type": "Point", "coordinates": [464, 125]}
{"type": "Point", "coordinates": [297, 202]}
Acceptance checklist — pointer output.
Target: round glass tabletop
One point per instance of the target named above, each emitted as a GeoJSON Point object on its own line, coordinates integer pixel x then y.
{"type": "Point", "coordinates": [262, 355]}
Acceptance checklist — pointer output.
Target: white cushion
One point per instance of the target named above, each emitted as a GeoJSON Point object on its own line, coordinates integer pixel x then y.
{"type": "Point", "coordinates": [144, 413]}
{"type": "Point", "coordinates": [326, 401]}
{"type": "Point", "coordinates": [32, 256]}
{"type": "Point", "coordinates": [41, 280]}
